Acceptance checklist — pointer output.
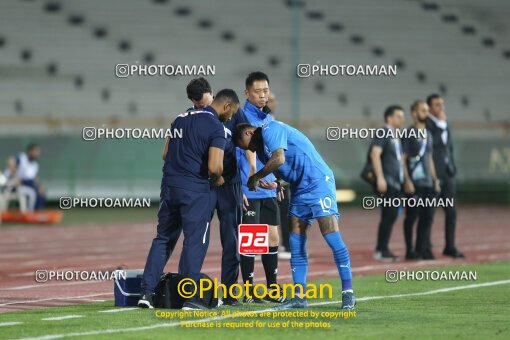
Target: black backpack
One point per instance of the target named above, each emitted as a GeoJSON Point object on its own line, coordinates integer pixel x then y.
{"type": "Point", "coordinates": [367, 173]}
{"type": "Point", "coordinates": [166, 295]}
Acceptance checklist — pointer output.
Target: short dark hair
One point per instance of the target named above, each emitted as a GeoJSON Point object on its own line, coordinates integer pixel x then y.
{"type": "Point", "coordinates": [227, 95]}
{"type": "Point", "coordinates": [390, 110]}
{"type": "Point", "coordinates": [255, 76]}
{"type": "Point", "coordinates": [239, 132]}
{"type": "Point", "coordinates": [197, 87]}
{"type": "Point", "coordinates": [414, 105]}
{"type": "Point", "coordinates": [432, 97]}
{"type": "Point", "coordinates": [31, 146]}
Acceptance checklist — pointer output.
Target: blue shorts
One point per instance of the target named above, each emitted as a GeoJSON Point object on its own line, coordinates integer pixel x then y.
{"type": "Point", "coordinates": [319, 202]}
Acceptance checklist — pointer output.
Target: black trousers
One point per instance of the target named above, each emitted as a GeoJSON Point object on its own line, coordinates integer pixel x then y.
{"type": "Point", "coordinates": [448, 191]}
{"type": "Point", "coordinates": [388, 217]}
{"type": "Point", "coordinates": [425, 216]}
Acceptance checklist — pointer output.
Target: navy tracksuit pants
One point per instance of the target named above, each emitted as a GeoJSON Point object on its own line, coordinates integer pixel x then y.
{"type": "Point", "coordinates": [180, 208]}
{"type": "Point", "coordinates": [227, 200]}
{"type": "Point", "coordinates": [185, 210]}
{"type": "Point", "coordinates": [229, 207]}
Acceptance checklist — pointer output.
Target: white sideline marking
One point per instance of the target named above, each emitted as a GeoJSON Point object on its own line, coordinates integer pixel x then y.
{"type": "Point", "coordinates": [174, 324]}
{"type": "Point", "coordinates": [65, 317]}
{"type": "Point", "coordinates": [55, 298]}
{"type": "Point", "coordinates": [117, 310]}
{"type": "Point", "coordinates": [11, 323]}
{"type": "Point", "coordinates": [46, 285]}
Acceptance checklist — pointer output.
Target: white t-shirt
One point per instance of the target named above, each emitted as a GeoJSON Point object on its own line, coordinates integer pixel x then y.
{"type": "Point", "coordinates": [27, 169]}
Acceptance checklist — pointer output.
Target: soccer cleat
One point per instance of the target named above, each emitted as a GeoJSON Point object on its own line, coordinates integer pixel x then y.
{"type": "Point", "coordinates": [146, 301]}
{"type": "Point", "coordinates": [230, 301]}
{"type": "Point", "coordinates": [295, 302]}
{"type": "Point", "coordinates": [280, 294]}
{"type": "Point", "coordinates": [348, 300]}
{"type": "Point", "coordinates": [193, 305]}
{"type": "Point", "coordinates": [252, 299]}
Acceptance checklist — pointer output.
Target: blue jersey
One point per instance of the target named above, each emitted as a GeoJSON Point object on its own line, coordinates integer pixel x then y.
{"type": "Point", "coordinates": [304, 169]}
{"type": "Point", "coordinates": [186, 163]}
{"type": "Point", "coordinates": [255, 117]}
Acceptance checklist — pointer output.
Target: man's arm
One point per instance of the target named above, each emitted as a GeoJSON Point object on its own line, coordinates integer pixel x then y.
{"type": "Point", "coordinates": [215, 165]}
{"type": "Point", "coordinates": [408, 183]}
{"type": "Point", "coordinates": [277, 159]}
{"type": "Point", "coordinates": [252, 162]}
{"type": "Point", "coordinates": [165, 150]}
{"type": "Point", "coordinates": [433, 174]}
{"type": "Point", "coordinates": [375, 157]}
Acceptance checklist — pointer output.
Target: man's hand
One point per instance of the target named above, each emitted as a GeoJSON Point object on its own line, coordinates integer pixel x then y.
{"type": "Point", "coordinates": [280, 195]}
{"type": "Point", "coordinates": [218, 181]}
{"type": "Point", "coordinates": [409, 187]}
{"type": "Point", "coordinates": [253, 183]}
{"type": "Point", "coordinates": [267, 184]}
{"type": "Point", "coordinates": [437, 186]}
{"type": "Point", "coordinates": [246, 204]}
{"type": "Point", "coordinates": [382, 186]}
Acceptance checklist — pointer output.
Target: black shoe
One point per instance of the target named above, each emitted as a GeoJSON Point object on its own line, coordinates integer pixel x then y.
{"type": "Point", "coordinates": [230, 301]}
{"type": "Point", "coordinates": [411, 255]}
{"type": "Point", "coordinates": [146, 301]}
{"type": "Point", "coordinates": [276, 291]}
{"type": "Point", "coordinates": [385, 256]}
{"type": "Point", "coordinates": [428, 255]}
{"type": "Point", "coordinates": [194, 305]}
{"type": "Point", "coordinates": [453, 253]}
{"type": "Point", "coordinates": [252, 299]}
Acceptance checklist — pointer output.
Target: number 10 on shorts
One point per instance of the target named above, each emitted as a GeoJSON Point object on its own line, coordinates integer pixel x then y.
{"type": "Point", "coordinates": [253, 239]}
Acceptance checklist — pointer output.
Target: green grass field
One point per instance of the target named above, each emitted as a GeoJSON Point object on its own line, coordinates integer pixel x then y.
{"type": "Point", "coordinates": [385, 310]}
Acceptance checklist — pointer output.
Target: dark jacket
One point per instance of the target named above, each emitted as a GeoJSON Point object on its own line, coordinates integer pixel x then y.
{"type": "Point", "coordinates": [442, 154]}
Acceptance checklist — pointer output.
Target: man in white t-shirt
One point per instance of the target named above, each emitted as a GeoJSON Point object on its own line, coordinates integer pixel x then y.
{"type": "Point", "coordinates": [27, 168]}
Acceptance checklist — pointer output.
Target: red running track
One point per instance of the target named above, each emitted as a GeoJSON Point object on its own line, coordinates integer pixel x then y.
{"type": "Point", "coordinates": [483, 235]}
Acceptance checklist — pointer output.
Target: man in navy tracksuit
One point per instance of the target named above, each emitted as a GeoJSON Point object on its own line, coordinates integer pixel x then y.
{"type": "Point", "coordinates": [192, 164]}
{"type": "Point", "coordinates": [227, 199]}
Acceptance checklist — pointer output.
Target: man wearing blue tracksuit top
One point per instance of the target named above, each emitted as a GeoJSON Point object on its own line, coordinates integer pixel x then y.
{"type": "Point", "coordinates": [261, 205]}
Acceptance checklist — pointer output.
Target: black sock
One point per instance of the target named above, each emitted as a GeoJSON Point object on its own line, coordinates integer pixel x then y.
{"type": "Point", "coordinates": [247, 268]}
{"type": "Point", "coordinates": [270, 262]}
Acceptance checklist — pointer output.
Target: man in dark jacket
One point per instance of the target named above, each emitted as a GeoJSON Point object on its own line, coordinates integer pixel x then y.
{"type": "Point", "coordinates": [446, 170]}
{"type": "Point", "coordinates": [386, 158]}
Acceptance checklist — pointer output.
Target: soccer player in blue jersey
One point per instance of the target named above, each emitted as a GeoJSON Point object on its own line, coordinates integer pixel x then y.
{"type": "Point", "coordinates": [290, 154]}
{"type": "Point", "coordinates": [260, 206]}
{"type": "Point", "coordinates": [193, 163]}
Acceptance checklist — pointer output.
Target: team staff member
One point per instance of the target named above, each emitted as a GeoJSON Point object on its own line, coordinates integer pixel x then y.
{"type": "Point", "coordinates": [386, 157]}
{"type": "Point", "coordinates": [283, 203]}
{"type": "Point", "coordinates": [261, 206]}
{"type": "Point", "coordinates": [227, 199]}
{"type": "Point", "coordinates": [290, 154]}
{"type": "Point", "coordinates": [193, 163]}
{"type": "Point", "coordinates": [445, 167]}
{"type": "Point", "coordinates": [420, 182]}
